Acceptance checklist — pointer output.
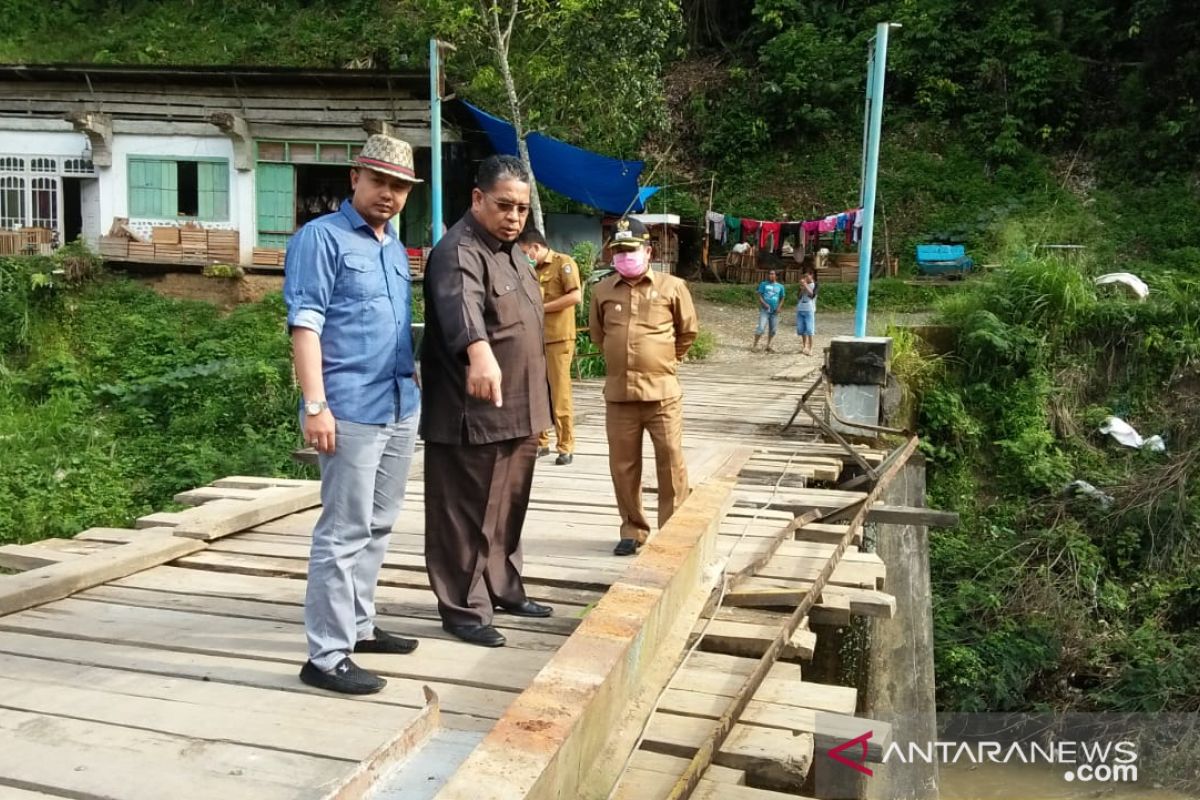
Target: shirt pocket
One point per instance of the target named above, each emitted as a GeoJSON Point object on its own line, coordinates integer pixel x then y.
{"type": "Point", "coordinates": [506, 301]}
{"type": "Point", "coordinates": [363, 276]}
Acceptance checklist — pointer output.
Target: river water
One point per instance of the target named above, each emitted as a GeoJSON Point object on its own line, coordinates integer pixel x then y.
{"type": "Point", "coordinates": [1025, 782]}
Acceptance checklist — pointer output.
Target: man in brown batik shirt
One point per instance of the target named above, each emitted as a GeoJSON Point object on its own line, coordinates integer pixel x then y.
{"type": "Point", "coordinates": [484, 401]}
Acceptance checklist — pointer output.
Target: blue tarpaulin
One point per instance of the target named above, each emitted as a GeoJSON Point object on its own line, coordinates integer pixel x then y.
{"type": "Point", "coordinates": [608, 184]}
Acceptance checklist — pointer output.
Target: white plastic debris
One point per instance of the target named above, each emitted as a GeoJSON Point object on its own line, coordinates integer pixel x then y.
{"type": "Point", "coordinates": [1088, 490]}
{"type": "Point", "coordinates": [1135, 285]}
{"type": "Point", "coordinates": [1125, 434]}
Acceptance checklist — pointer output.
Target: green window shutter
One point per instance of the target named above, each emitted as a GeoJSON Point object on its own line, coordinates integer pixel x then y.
{"type": "Point", "coordinates": [153, 188]}
{"type": "Point", "coordinates": [212, 178]}
{"type": "Point", "coordinates": [275, 202]}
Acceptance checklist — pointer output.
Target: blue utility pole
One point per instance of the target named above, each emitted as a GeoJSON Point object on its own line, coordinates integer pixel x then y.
{"type": "Point", "coordinates": [435, 137]}
{"type": "Point", "coordinates": [876, 69]}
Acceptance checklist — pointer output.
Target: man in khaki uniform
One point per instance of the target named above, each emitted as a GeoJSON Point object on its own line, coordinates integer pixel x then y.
{"type": "Point", "coordinates": [644, 323]}
{"type": "Point", "coordinates": [558, 276]}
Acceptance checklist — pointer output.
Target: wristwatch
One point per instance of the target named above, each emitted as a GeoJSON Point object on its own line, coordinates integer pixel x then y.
{"type": "Point", "coordinates": [314, 407]}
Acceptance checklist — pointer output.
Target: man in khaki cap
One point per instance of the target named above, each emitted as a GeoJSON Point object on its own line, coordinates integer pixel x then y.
{"type": "Point", "coordinates": [644, 322]}
{"type": "Point", "coordinates": [349, 301]}
{"type": "Point", "coordinates": [558, 275]}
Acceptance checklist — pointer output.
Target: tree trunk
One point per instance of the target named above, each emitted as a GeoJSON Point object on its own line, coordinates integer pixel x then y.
{"type": "Point", "coordinates": [502, 39]}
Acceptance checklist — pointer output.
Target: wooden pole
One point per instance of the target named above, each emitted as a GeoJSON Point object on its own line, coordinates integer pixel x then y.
{"type": "Point", "coordinates": [712, 185]}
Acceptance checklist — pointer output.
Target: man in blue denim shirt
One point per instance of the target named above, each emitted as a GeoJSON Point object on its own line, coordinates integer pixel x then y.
{"type": "Point", "coordinates": [348, 291]}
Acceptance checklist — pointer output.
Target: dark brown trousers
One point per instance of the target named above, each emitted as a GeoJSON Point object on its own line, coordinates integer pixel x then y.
{"type": "Point", "coordinates": [475, 502]}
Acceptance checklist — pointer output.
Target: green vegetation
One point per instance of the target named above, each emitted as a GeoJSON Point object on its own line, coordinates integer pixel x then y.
{"type": "Point", "coordinates": [1041, 597]}
{"type": "Point", "coordinates": [112, 399]}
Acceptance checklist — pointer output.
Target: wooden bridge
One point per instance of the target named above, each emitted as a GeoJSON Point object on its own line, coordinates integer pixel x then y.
{"type": "Point", "coordinates": [162, 661]}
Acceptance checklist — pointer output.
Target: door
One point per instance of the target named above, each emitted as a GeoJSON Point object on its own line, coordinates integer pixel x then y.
{"type": "Point", "coordinates": [89, 208]}
{"type": "Point", "coordinates": [275, 203]}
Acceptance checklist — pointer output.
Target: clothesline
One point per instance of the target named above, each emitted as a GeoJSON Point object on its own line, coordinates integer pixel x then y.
{"type": "Point", "coordinates": [770, 235]}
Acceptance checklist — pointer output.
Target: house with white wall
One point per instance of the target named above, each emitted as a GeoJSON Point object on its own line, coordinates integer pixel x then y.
{"type": "Point", "coordinates": [256, 150]}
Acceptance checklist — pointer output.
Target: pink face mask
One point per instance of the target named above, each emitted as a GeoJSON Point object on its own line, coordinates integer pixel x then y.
{"type": "Point", "coordinates": [629, 263]}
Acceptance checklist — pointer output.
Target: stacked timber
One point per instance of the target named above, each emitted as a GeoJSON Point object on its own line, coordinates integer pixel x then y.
{"type": "Point", "coordinates": [170, 244]}
{"type": "Point", "coordinates": [268, 257]}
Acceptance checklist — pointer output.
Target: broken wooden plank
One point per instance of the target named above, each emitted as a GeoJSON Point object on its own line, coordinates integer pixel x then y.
{"type": "Point", "coordinates": [365, 778]}
{"type": "Point", "coordinates": [44, 585]}
{"type": "Point", "coordinates": [771, 592]}
{"type": "Point", "coordinates": [206, 494]}
{"type": "Point", "coordinates": [208, 522]}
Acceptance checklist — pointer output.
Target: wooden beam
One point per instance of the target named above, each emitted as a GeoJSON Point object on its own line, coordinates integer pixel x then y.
{"type": "Point", "coordinates": [47, 584]}
{"type": "Point", "coordinates": [208, 522]}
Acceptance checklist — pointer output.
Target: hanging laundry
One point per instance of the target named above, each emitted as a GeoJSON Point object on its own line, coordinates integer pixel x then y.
{"type": "Point", "coordinates": [733, 228]}
{"type": "Point", "coordinates": [750, 229]}
{"type": "Point", "coordinates": [858, 225]}
{"type": "Point", "coordinates": [716, 225]}
{"type": "Point", "coordinates": [828, 224]}
{"type": "Point", "coordinates": [851, 221]}
{"type": "Point", "coordinates": [840, 223]}
{"type": "Point", "coordinates": [810, 231]}
{"type": "Point", "coordinates": [769, 238]}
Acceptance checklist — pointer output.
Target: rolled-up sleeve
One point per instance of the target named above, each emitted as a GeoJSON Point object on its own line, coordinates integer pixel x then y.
{"type": "Point", "coordinates": [309, 272]}
{"type": "Point", "coordinates": [456, 286]}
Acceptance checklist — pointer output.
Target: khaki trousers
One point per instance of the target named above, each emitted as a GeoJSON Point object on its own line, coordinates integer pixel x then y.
{"type": "Point", "coordinates": [625, 424]}
{"type": "Point", "coordinates": [558, 374]}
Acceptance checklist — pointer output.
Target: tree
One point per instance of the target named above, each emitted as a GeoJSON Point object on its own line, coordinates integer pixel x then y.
{"type": "Point", "coordinates": [501, 42]}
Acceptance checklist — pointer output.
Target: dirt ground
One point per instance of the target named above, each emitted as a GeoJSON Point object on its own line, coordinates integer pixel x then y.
{"type": "Point", "coordinates": [734, 329]}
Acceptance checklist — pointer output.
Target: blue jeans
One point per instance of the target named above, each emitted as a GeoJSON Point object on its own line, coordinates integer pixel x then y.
{"type": "Point", "coordinates": [767, 320]}
{"type": "Point", "coordinates": [362, 490]}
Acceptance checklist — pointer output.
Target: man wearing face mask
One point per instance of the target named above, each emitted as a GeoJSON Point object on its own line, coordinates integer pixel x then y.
{"type": "Point", "coordinates": [644, 322]}
{"type": "Point", "coordinates": [485, 401]}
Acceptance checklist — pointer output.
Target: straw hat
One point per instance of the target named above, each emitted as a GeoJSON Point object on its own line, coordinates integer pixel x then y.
{"type": "Point", "coordinates": [388, 155]}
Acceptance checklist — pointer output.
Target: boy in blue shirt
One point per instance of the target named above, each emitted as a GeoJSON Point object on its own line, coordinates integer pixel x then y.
{"type": "Point", "coordinates": [770, 298]}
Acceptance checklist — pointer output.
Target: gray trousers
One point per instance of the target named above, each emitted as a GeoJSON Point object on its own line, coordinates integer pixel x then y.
{"type": "Point", "coordinates": [362, 490]}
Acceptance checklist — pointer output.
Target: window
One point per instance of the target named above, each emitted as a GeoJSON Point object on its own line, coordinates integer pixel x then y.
{"type": "Point", "coordinates": [12, 164]}
{"type": "Point", "coordinates": [78, 166]}
{"type": "Point", "coordinates": [168, 189]}
{"type": "Point", "coordinates": [44, 212]}
{"type": "Point", "coordinates": [44, 165]}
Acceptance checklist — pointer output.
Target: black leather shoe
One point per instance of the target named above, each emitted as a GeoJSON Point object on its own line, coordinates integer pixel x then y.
{"type": "Point", "coordinates": [564, 459]}
{"type": "Point", "coordinates": [543, 451]}
{"type": "Point", "coordinates": [484, 635]}
{"type": "Point", "coordinates": [346, 678]}
{"type": "Point", "coordinates": [385, 642]}
{"type": "Point", "coordinates": [528, 609]}
{"type": "Point", "coordinates": [627, 547]}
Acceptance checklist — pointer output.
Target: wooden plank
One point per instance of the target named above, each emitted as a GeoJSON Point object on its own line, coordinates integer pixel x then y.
{"type": "Point", "coordinates": [670, 765]}
{"type": "Point", "coordinates": [295, 568]}
{"type": "Point", "coordinates": [766, 592]}
{"type": "Point", "coordinates": [22, 557]}
{"type": "Point", "coordinates": [779, 757]}
{"type": "Point", "coordinates": [508, 668]}
{"type": "Point", "coordinates": [197, 590]}
{"type": "Point", "coordinates": [473, 708]}
{"type": "Point", "coordinates": [776, 689]}
{"type": "Point", "coordinates": [827, 729]}
{"type": "Point", "coordinates": [255, 482]}
{"type": "Point", "coordinates": [423, 626]}
{"type": "Point", "coordinates": [647, 784]}
{"type": "Point", "coordinates": [208, 523]}
{"type": "Point", "coordinates": [197, 709]}
{"type": "Point", "coordinates": [366, 777]}
{"type": "Point", "coordinates": [203, 494]}
{"type": "Point", "coordinates": [751, 641]}
{"type": "Point", "coordinates": [88, 759]}
{"type": "Point", "coordinates": [29, 589]}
